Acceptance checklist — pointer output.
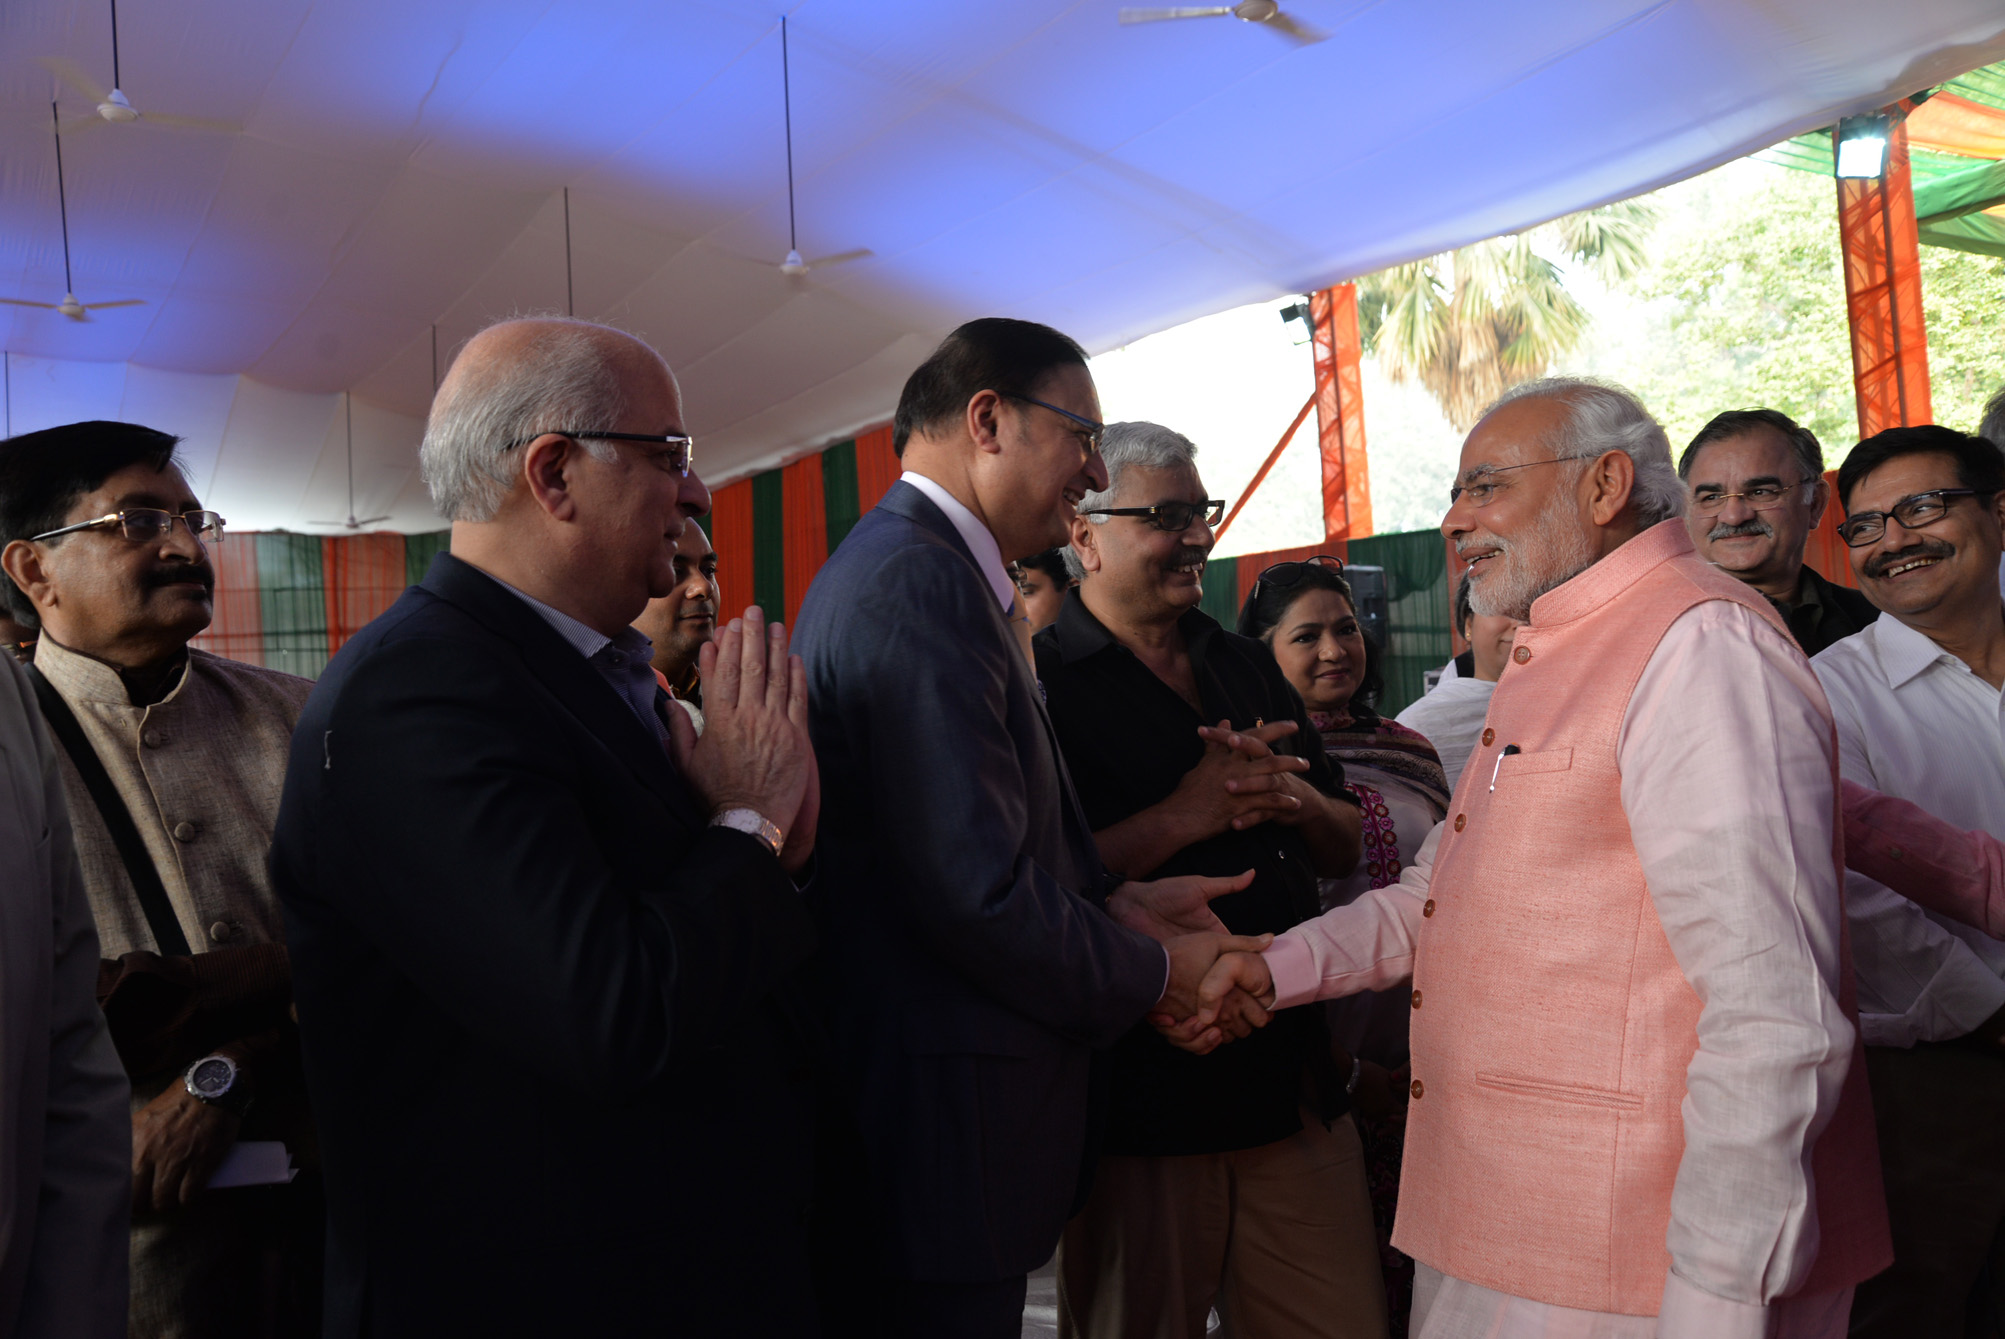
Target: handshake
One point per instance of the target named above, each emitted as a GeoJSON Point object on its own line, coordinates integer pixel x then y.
{"type": "Point", "coordinates": [1219, 987]}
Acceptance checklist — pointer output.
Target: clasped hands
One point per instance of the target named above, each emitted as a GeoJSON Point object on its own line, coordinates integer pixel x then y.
{"type": "Point", "coordinates": [1219, 987]}
{"type": "Point", "coordinates": [754, 752]}
{"type": "Point", "coordinates": [1241, 781]}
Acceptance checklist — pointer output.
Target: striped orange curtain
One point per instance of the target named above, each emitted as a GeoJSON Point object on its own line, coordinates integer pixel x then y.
{"type": "Point", "coordinates": [238, 629]}
{"type": "Point", "coordinates": [363, 575]}
{"type": "Point", "coordinates": [1825, 553]}
{"type": "Point", "coordinates": [805, 525]}
{"type": "Point", "coordinates": [876, 467]}
{"type": "Point", "coordinates": [731, 536]}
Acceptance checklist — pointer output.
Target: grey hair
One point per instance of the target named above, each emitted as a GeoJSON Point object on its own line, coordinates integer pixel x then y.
{"type": "Point", "coordinates": [1992, 429]}
{"type": "Point", "coordinates": [566, 378]}
{"type": "Point", "coordinates": [1602, 416]}
{"type": "Point", "coordinates": [1149, 445]}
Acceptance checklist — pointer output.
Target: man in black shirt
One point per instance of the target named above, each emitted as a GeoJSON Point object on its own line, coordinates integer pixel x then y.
{"type": "Point", "coordinates": [1758, 490]}
{"type": "Point", "coordinates": [1233, 1178]}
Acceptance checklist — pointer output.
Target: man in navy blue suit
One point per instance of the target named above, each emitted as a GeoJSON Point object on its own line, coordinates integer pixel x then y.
{"type": "Point", "coordinates": [542, 936]}
{"type": "Point", "coordinates": [976, 953]}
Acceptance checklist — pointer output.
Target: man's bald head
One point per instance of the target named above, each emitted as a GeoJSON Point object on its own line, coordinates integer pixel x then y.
{"type": "Point", "coordinates": [517, 379]}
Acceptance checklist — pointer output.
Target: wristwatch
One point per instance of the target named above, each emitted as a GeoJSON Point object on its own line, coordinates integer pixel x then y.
{"type": "Point", "coordinates": [220, 1082]}
{"type": "Point", "coordinates": [752, 823]}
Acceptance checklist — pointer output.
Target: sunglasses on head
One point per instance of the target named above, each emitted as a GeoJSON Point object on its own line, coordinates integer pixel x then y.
{"type": "Point", "coordinates": [1283, 575]}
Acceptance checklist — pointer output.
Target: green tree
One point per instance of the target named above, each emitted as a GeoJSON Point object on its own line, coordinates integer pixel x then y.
{"type": "Point", "coordinates": [1473, 322]}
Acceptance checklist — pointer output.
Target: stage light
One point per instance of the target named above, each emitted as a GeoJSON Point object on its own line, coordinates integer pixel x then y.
{"type": "Point", "coordinates": [1861, 142]}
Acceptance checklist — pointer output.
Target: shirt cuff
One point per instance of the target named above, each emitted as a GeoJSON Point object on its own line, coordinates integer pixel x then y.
{"type": "Point", "coordinates": [1293, 969]}
{"type": "Point", "coordinates": [1690, 1312]}
{"type": "Point", "coordinates": [1166, 977]}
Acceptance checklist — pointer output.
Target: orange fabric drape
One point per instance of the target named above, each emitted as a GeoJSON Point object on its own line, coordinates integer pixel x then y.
{"type": "Point", "coordinates": [361, 575]}
{"type": "Point", "coordinates": [731, 536]}
{"type": "Point", "coordinates": [1876, 229]}
{"type": "Point", "coordinates": [238, 629]}
{"type": "Point", "coordinates": [876, 468]}
{"type": "Point", "coordinates": [1825, 553]}
{"type": "Point", "coordinates": [1340, 415]}
{"type": "Point", "coordinates": [806, 527]}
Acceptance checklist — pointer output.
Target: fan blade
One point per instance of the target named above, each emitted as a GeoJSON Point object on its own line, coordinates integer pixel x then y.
{"type": "Point", "coordinates": [23, 302]}
{"type": "Point", "coordinates": [841, 258]}
{"type": "Point", "coordinates": [1182, 12]}
{"type": "Point", "coordinates": [371, 520]}
{"type": "Point", "coordinates": [72, 74]}
{"type": "Point", "coordinates": [1301, 34]}
{"type": "Point", "coordinates": [192, 123]}
{"type": "Point", "coordinates": [78, 124]}
{"type": "Point", "coordinates": [122, 302]}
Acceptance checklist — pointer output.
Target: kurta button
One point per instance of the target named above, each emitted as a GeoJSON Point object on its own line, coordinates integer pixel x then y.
{"type": "Point", "coordinates": [1427, 907]}
{"type": "Point", "coordinates": [1522, 654]}
{"type": "Point", "coordinates": [221, 931]}
{"type": "Point", "coordinates": [1416, 999]}
{"type": "Point", "coordinates": [1489, 738]}
{"type": "Point", "coordinates": [1416, 1089]}
{"type": "Point", "coordinates": [184, 832]}
{"type": "Point", "coordinates": [153, 739]}
{"type": "Point", "coordinates": [1460, 821]}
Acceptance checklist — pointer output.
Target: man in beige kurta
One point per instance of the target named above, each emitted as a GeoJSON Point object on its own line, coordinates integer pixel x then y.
{"type": "Point", "coordinates": [195, 747]}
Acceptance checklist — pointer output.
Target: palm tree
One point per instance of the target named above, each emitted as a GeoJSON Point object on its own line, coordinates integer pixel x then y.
{"type": "Point", "coordinates": [1474, 322]}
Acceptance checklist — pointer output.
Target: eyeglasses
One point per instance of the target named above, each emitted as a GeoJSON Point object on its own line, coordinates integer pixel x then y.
{"type": "Point", "coordinates": [144, 525]}
{"type": "Point", "coordinates": [1913, 512]}
{"type": "Point", "coordinates": [1091, 441]}
{"type": "Point", "coordinates": [1283, 575]}
{"type": "Point", "coordinates": [1173, 517]}
{"type": "Point", "coordinates": [681, 453]}
{"type": "Point", "coordinates": [1482, 492]}
{"type": "Point", "coordinates": [1761, 497]}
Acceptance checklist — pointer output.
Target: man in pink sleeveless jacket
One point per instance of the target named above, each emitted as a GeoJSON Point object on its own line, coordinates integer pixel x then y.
{"type": "Point", "coordinates": [1636, 1108]}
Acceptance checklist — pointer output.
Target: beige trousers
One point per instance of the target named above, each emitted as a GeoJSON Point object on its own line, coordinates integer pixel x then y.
{"type": "Point", "coordinates": [1278, 1238]}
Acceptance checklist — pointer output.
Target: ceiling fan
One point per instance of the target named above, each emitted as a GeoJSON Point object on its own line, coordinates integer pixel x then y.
{"type": "Point", "coordinates": [1264, 12]}
{"type": "Point", "coordinates": [114, 108]}
{"type": "Point", "coordinates": [353, 522]}
{"type": "Point", "coordinates": [69, 306]}
{"type": "Point", "coordinates": [793, 266]}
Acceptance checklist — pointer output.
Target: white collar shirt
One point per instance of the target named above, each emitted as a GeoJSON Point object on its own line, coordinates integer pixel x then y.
{"type": "Point", "coordinates": [1915, 722]}
{"type": "Point", "coordinates": [982, 544]}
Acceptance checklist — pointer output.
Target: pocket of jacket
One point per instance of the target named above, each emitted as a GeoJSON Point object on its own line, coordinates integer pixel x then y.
{"type": "Point", "coordinates": [1532, 764]}
{"type": "Point", "coordinates": [1613, 1099]}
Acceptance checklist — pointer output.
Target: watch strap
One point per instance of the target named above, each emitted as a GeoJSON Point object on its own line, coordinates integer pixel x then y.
{"type": "Point", "coordinates": [752, 823]}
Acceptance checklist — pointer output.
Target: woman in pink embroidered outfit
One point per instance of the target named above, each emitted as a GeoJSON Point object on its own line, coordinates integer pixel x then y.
{"type": "Point", "coordinates": [1303, 611]}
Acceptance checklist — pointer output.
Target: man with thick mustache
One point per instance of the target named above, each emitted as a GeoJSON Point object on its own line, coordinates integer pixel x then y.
{"type": "Point", "coordinates": [1758, 490]}
{"type": "Point", "coordinates": [1634, 1110]}
{"type": "Point", "coordinates": [1917, 702]}
{"type": "Point", "coordinates": [172, 761]}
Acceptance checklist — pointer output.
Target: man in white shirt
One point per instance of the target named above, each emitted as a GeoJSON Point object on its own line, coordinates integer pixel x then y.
{"type": "Point", "coordinates": [1452, 715]}
{"type": "Point", "coordinates": [1916, 697]}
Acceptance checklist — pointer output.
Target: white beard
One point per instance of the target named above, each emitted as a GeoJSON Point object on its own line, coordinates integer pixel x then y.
{"type": "Point", "coordinates": [1556, 552]}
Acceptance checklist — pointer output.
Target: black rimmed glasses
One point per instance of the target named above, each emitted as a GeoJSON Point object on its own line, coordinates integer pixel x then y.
{"type": "Point", "coordinates": [1482, 489]}
{"type": "Point", "coordinates": [1914, 512]}
{"type": "Point", "coordinates": [145, 525]}
{"type": "Point", "coordinates": [1091, 439]}
{"type": "Point", "coordinates": [681, 453]}
{"type": "Point", "coordinates": [1761, 497]}
{"type": "Point", "coordinates": [1283, 575]}
{"type": "Point", "coordinates": [1172, 517]}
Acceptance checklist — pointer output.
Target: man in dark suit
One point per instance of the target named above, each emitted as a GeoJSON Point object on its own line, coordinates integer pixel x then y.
{"type": "Point", "coordinates": [1758, 490]}
{"type": "Point", "coordinates": [539, 931]}
{"type": "Point", "coordinates": [975, 950]}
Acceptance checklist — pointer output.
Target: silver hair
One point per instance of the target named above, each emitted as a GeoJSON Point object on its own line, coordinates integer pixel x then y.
{"type": "Point", "coordinates": [567, 378]}
{"type": "Point", "coordinates": [1149, 445]}
{"type": "Point", "coordinates": [1602, 416]}
{"type": "Point", "coordinates": [1992, 429]}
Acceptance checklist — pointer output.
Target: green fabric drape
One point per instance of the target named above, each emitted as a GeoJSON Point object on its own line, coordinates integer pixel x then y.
{"type": "Point", "coordinates": [419, 550]}
{"type": "Point", "coordinates": [1221, 591]}
{"type": "Point", "coordinates": [769, 545]}
{"type": "Point", "coordinates": [1419, 618]}
{"type": "Point", "coordinates": [292, 599]}
{"type": "Point", "coordinates": [839, 492]}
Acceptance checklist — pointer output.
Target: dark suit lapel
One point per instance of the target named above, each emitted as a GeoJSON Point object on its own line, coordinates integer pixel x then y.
{"type": "Point", "coordinates": [904, 500]}
{"type": "Point", "coordinates": [578, 688]}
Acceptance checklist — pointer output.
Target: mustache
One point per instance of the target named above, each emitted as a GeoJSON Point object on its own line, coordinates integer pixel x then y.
{"type": "Point", "coordinates": [1189, 553]}
{"type": "Point", "coordinates": [174, 575]}
{"type": "Point", "coordinates": [1755, 526]}
{"type": "Point", "coordinates": [1928, 548]}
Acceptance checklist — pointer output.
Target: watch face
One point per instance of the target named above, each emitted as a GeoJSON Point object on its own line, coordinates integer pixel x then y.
{"type": "Point", "coordinates": [211, 1077]}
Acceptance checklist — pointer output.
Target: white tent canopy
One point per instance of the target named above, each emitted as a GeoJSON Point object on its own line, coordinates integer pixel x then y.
{"type": "Point", "coordinates": [401, 168]}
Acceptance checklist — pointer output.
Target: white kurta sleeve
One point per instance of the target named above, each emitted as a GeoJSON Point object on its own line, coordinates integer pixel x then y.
{"type": "Point", "coordinates": [1726, 780]}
